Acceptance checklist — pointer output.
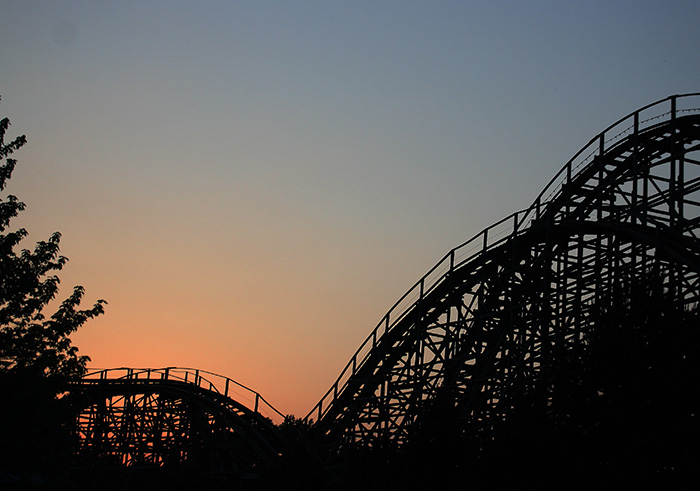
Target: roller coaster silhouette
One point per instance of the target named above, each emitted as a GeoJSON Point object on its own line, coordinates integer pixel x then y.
{"type": "Point", "coordinates": [481, 324]}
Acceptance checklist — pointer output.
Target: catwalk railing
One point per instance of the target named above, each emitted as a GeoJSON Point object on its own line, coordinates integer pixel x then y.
{"type": "Point", "coordinates": [202, 379]}
{"type": "Point", "coordinates": [659, 112]}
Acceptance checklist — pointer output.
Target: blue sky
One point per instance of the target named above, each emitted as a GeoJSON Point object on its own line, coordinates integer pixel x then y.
{"type": "Point", "coordinates": [252, 184]}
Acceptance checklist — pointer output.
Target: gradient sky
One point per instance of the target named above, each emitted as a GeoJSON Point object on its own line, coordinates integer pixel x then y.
{"type": "Point", "coordinates": [252, 184]}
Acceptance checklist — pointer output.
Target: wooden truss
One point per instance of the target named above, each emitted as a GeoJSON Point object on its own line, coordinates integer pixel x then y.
{"type": "Point", "coordinates": [489, 317]}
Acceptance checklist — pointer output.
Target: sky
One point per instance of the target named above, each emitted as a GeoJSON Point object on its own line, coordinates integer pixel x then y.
{"type": "Point", "coordinates": [251, 185]}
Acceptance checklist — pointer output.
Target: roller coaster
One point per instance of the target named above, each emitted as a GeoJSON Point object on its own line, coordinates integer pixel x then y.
{"type": "Point", "coordinates": [164, 417]}
{"type": "Point", "coordinates": [481, 325]}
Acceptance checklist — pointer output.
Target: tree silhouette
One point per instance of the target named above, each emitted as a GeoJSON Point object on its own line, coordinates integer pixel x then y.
{"type": "Point", "coordinates": [37, 359]}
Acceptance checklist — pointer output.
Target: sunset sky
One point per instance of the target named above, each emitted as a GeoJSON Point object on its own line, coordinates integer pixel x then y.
{"type": "Point", "coordinates": [252, 184]}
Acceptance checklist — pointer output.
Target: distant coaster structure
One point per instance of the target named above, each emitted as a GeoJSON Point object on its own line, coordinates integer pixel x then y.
{"type": "Point", "coordinates": [166, 417]}
{"type": "Point", "coordinates": [483, 322]}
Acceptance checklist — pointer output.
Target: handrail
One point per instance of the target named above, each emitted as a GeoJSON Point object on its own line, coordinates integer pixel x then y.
{"type": "Point", "coordinates": [496, 234]}
{"type": "Point", "coordinates": [200, 378]}
{"type": "Point", "coordinates": [635, 121]}
{"type": "Point", "coordinates": [488, 238]}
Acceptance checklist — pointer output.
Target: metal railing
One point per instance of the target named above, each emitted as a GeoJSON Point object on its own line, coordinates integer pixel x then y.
{"type": "Point", "coordinates": [506, 229]}
{"type": "Point", "coordinates": [200, 378]}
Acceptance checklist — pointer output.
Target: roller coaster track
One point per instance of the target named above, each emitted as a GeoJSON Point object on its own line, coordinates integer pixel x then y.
{"type": "Point", "coordinates": [490, 314]}
{"type": "Point", "coordinates": [485, 320]}
{"type": "Point", "coordinates": [170, 416]}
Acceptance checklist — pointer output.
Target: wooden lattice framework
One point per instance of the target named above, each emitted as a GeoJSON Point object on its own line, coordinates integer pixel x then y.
{"type": "Point", "coordinates": [172, 417]}
{"type": "Point", "coordinates": [490, 315]}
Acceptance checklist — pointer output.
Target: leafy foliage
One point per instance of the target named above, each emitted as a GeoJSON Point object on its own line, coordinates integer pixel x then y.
{"type": "Point", "coordinates": [37, 359]}
{"type": "Point", "coordinates": [28, 282]}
